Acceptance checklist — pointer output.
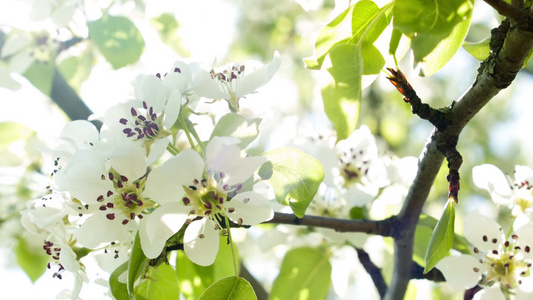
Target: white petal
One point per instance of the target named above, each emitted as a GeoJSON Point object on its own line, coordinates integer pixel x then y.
{"type": "Point", "coordinates": [164, 183]}
{"type": "Point", "coordinates": [492, 179]}
{"type": "Point", "coordinates": [158, 227]}
{"type": "Point", "coordinates": [205, 86]}
{"type": "Point", "coordinates": [157, 149]}
{"type": "Point", "coordinates": [84, 182]}
{"type": "Point", "coordinates": [98, 229]}
{"type": "Point", "coordinates": [525, 240]}
{"type": "Point", "coordinates": [172, 108]}
{"type": "Point", "coordinates": [201, 242]}
{"type": "Point", "coordinates": [522, 174]}
{"type": "Point", "coordinates": [250, 82]}
{"type": "Point", "coordinates": [249, 208]}
{"type": "Point", "coordinates": [129, 160]}
{"type": "Point", "coordinates": [15, 43]}
{"type": "Point", "coordinates": [490, 293]}
{"type": "Point", "coordinates": [483, 232]}
{"type": "Point", "coordinates": [460, 271]}
{"type": "Point", "coordinates": [67, 258]}
{"type": "Point", "coordinates": [83, 133]}
{"type": "Point", "coordinates": [150, 89]}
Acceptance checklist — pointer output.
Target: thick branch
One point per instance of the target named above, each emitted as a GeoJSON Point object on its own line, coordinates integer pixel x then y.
{"type": "Point", "coordinates": [373, 271]}
{"type": "Point", "coordinates": [504, 9]}
{"type": "Point", "coordinates": [495, 74]}
{"type": "Point", "coordinates": [381, 227]}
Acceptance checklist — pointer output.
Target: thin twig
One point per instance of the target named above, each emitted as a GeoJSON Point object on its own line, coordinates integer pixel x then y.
{"type": "Point", "coordinates": [381, 227]}
{"type": "Point", "coordinates": [504, 9]}
{"type": "Point", "coordinates": [373, 271]}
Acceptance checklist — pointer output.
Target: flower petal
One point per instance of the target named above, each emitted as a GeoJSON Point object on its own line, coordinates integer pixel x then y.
{"type": "Point", "coordinates": [158, 227]}
{"type": "Point", "coordinates": [83, 133]}
{"type": "Point", "coordinates": [257, 78]}
{"type": "Point", "coordinates": [461, 272]}
{"type": "Point", "coordinates": [525, 239]}
{"type": "Point", "coordinates": [164, 184]}
{"type": "Point", "coordinates": [98, 229]}
{"type": "Point", "coordinates": [129, 160]}
{"type": "Point", "coordinates": [172, 108]}
{"type": "Point", "coordinates": [483, 232]}
{"type": "Point", "coordinates": [249, 208]}
{"type": "Point", "coordinates": [490, 293]}
{"type": "Point", "coordinates": [492, 179]}
{"type": "Point", "coordinates": [201, 242]}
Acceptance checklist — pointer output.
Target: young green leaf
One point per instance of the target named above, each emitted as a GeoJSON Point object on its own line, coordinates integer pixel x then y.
{"type": "Point", "coordinates": [441, 240]}
{"type": "Point", "coordinates": [447, 48]}
{"type": "Point", "coordinates": [31, 261]}
{"type": "Point", "coordinates": [167, 26]}
{"type": "Point", "coordinates": [229, 288]}
{"type": "Point", "coordinates": [305, 274]}
{"type": "Point", "coordinates": [195, 279]}
{"type": "Point", "coordinates": [237, 126]}
{"type": "Point", "coordinates": [295, 179]}
{"type": "Point", "coordinates": [342, 96]}
{"type": "Point", "coordinates": [428, 22]}
{"type": "Point", "coordinates": [117, 38]}
{"type": "Point", "coordinates": [119, 289]}
{"type": "Point", "coordinates": [161, 283]}
{"type": "Point", "coordinates": [137, 263]}
{"type": "Point", "coordinates": [76, 69]}
{"type": "Point", "coordinates": [479, 50]}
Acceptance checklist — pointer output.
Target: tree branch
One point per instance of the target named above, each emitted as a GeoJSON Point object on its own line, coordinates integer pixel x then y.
{"type": "Point", "coordinates": [495, 74]}
{"type": "Point", "coordinates": [373, 271]}
{"type": "Point", "coordinates": [381, 227]}
{"type": "Point", "coordinates": [504, 9]}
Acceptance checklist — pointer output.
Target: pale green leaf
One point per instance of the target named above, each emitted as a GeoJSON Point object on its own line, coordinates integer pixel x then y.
{"type": "Point", "coordinates": [373, 61]}
{"type": "Point", "coordinates": [161, 283]}
{"type": "Point", "coordinates": [119, 289]}
{"type": "Point", "coordinates": [305, 274]}
{"type": "Point", "coordinates": [446, 48]}
{"type": "Point", "coordinates": [117, 38]}
{"type": "Point", "coordinates": [394, 41]}
{"type": "Point", "coordinates": [13, 131]}
{"type": "Point", "coordinates": [76, 69]}
{"type": "Point", "coordinates": [295, 178]}
{"type": "Point", "coordinates": [167, 26]}
{"type": "Point", "coordinates": [229, 288]}
{"type": "Point", "coordinates": [33, 261]}
{"type": "Point", "coordinates": [137, 263]}
{"type": "Point", "coordinates": [479, 50]}
{"type": "Point", "coordinates": [237, 126]}
{"type": "Point", "coordinates": [428, 22]}
{"type": "Point", "coordinates": [342, 96]}
{"type": "Point", "coordinates": [441, 240]}
{"type": "Point", "coordinates": [195, 279]}
{"type": "Point", "coordinates": [41, 75]}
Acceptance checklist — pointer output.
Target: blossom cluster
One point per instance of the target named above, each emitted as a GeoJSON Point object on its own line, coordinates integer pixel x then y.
{"type": "Point", "coordinates": [500, 261]}
{"type": "Point", "coordinates": [131, 179]}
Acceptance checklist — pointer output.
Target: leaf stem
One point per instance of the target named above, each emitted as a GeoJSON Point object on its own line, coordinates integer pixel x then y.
{"type": "Point", "coordinates": [172, 149]}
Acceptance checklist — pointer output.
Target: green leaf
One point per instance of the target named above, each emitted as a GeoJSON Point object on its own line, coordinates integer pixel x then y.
{"type": "Point", "coordinates": [195, 279]}
{"type": "Point", "coordinates": [479, 50]}
{"type": "Point", "coordinates": [427, 22]}
{"type": "Point", "coordinates": [161, 283]}
{"type": "Point", "coordinates": [394, 41]}
{"type": "Point", "coordinates": [41, 75]}
{"type": "Point", "coordinates": [295, 179]}
{"type": "Point", "coordinates": [119, 289]}
{"type": "Point", "coordinates": [33, 261]}
{"type": "Point", "coordinates": [266, 170]}
{"type": "Point", "coordinates": [373, 61]}
{"type": "Point", "coordinates": [137, 263]}
{"type": "Point", "coordinates": [305, 274]}
{"type": "Point", "coordinates": [446, 48]}
{"type": "Point", "coordinates": [11, 132]}
{"type": "Point", "coordinates": [361, 22]}
{"type": "Point", "coordinates": [76, 69]}
{"type": "Point", "coordinates": [342, 96]}
{"type": "Point", "coordinates": [167, 26]}
{"type": "Point", "coordinates": [441, 240]}
{"type": "Point", "coordinates": [229, 288]}
{"type": "Point", "coordinates": [117, 38]}
{"type": "Point", "coordinates": [239, 127]}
